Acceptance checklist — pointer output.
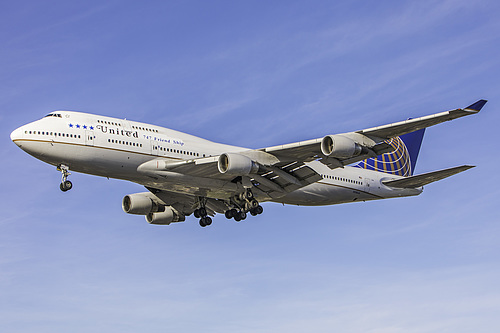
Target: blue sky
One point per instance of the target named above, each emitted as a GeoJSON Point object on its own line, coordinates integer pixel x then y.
{"type": "Point", "coordinates": [252, 74]}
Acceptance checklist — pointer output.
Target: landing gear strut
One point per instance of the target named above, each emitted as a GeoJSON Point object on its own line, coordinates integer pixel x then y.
{"type": "Point", "coordinates": [66, 185]}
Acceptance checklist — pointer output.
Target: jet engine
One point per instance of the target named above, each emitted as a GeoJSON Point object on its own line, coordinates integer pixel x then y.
{"type": "Point", "coordinates": [339, 146]}
{"type": "Point", "coordinates": [165, 218]}
{"type": "Point", "coordinates": [140, 204]}
{"type": "Point", "coordinates": [236, 164]}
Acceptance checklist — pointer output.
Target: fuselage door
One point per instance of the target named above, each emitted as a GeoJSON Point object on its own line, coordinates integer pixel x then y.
{"type": "Point", "coordinates": [154, 148]}
{"type": "Point", "coordinates": [368, 185]}
{"type": "Point", "coordinates": [89, 138]}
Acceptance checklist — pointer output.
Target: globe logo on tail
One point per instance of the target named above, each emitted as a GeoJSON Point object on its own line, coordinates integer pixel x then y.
{"type": "Point", "coordinates": [396, 162]}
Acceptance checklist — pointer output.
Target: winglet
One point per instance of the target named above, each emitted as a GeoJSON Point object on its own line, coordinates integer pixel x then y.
{"type": "Point", "coordinates": [477, 106]}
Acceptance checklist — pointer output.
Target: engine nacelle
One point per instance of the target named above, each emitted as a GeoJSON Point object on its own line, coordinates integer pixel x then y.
{"type": "Point", "coordinates": [339, 146]}
{"type": "Point", "coordinates": [236, 164]}
{"type": "Point", "coordinates": [165, 218]}
{"type": "Point", "coordinates": [140, 204]}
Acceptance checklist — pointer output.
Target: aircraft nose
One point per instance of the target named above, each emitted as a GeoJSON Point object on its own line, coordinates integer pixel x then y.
{"type": "Point", "coordinates": [16, 135]}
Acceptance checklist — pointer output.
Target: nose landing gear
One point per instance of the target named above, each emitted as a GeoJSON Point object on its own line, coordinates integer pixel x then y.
{"type": "Point", "coordinates": [65, 185]}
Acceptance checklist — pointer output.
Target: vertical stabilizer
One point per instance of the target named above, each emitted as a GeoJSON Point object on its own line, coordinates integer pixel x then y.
{"type": "Point", "coordinates": [402, 160]}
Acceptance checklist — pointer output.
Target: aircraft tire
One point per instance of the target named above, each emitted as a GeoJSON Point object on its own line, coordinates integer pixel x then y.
{"type": "Point", "coordinates": [202, 211]}
{"type": "Point", "coordinates": [66, 186]}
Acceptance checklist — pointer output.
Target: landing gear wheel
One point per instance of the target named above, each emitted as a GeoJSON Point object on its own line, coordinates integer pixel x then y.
{"type": "Point", "coordinates": [208, 220]}
{"type": "Point", "coordinates": [229, 214]}
{"type": "Point", "coordinates": [237, 217]}
{"type": "Point", "coordinates": [257, 210]}
{"type": "Point", "coordinates": [205, 221]}
{"type": "Point", "coordinates": [243, 215]}
{"type": "Point", "coordinates": [197, 213]}
{"type": "Point", "coordinates": [248, 194]}
{"type": "Point", "coordinates": [254, 204]}
{"type": "Point", "coordinates": [202, 212]}
{"type": "Point", "coordinates": [66, 186]}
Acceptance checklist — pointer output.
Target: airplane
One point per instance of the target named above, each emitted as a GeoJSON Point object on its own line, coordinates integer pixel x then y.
{"type": "Point", "coordinates": [185, 174]}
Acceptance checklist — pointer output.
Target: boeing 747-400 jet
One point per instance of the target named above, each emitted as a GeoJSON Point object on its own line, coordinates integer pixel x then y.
{"type": "Point", "coordinates": [187, 175]}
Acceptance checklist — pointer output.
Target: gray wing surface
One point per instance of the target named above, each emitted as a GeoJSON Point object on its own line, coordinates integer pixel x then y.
{"type": "Point", "coordinates": [284, 168]}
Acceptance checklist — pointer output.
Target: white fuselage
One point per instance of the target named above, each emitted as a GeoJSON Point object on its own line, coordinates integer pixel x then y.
{"type": "Point", "coordinates": [114, 148]}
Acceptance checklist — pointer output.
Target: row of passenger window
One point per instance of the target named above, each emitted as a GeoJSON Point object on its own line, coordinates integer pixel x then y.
{"type": "Point", "coordinates": [127, 143]}
{"type": "Point", "coordinates": [76, 136]}
{"type": "Point", "coordinates": [108, 122]}
{"type": "Point", "coordinates": [145, 129]}
{"type": "Point", "coordinates": [177, 151]}
{"type": "Point", "coordinates": [133, 126]}
{"type": "Point", "coordinates": [160, 148]}
{"type": "Point", "coordinates": [343, 179]}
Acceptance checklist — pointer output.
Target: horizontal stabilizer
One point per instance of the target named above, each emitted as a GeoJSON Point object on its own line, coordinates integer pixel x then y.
{"type": "Point", "coordinates": [426, 178]}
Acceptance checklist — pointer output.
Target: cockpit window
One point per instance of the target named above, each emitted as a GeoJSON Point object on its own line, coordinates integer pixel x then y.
{"type": "Point", "coordinates": [53, 115]}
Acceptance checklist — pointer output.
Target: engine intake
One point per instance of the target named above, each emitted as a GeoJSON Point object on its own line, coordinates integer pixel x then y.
{"type": "Point", "coordinates": [165, 218]}
{"type": "Point", "coordinates": [340, 147]}
{"type": "Point", "coordinates": [140, 204]}
{"type": "Point", "coordinates": [236, 164]}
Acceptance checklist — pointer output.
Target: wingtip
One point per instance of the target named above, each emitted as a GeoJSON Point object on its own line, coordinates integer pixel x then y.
{"type": "Point", "coordinates": [477, 106]}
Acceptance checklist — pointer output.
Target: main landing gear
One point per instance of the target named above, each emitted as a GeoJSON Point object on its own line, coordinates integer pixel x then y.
{"type": "Point", "coordinates": [66, 185]}
{"type": "Point", "coordinates": [201, 213]}
{"type": "Point", "coordinates": [241, 204]}
{"type": "Point", "coordinates": [244, 203]}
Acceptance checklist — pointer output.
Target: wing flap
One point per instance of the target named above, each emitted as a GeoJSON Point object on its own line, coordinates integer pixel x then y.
{"type": "Point", "coordinates": [426, 178]}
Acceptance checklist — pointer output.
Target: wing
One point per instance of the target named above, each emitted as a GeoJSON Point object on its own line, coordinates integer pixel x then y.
{"type": "Point", "coordinates": [343, 149]}
{"type": "Point", "coordinates": [412, 125]}
{"type": "Point", "coordinates": [278, 170]}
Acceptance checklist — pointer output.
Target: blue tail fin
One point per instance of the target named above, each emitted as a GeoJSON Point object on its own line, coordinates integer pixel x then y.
{"type": "Point", "coordinates": [402, 160]}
